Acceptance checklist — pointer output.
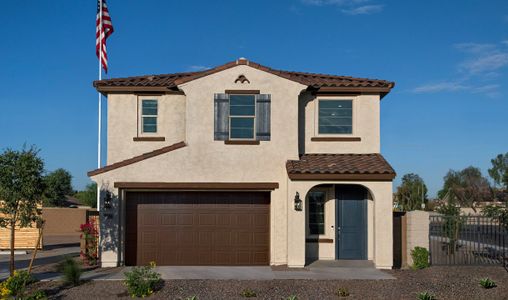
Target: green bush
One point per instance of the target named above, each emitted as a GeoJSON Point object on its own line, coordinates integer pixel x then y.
{"type": "Point", "coordinates": [15, 286]}
{"type": "Point", "coordinates": [292, 297]}
{"type": "Point", "coordinates": [426, 296]}
{"type": "Point", "coordinates": [192, 298]}
{"type": "Point", "coordinates": [142, 281]}
{"type": "Point", "coordinates": [342, 292]}
{"type": "Point", "coordinates": [248, 293]}
{"type": "Point", "coordinates": [420, 257]}
{"type": "Point", "coordinates": [487, 283]}
{"type": "Point", "coordinates": [71, 271]}
{"type": "Point", "coordinates": [38, 295]}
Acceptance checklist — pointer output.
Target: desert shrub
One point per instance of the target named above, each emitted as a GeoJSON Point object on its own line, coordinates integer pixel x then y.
{"type": "Point", "coordinates": [15, 286]}
{"type": "Point", "coordinates": [342, 292]}
{"type": "Point", "coordinates": [292, 297]}
{"type": "Point", "coordinates": [248, 293]}
{"type": "Point", "coordinates": [426, 296]}
{"type": "Point", "coordinates": [71, 271]}
{"type": "Point", "coordinates": [142, 281]}
{"type": "Point", "coordinates": [420, 257]}
{"type": "Point", "coordinates": [38, 295]}
{"type": "Point", "coordinates": [487, 283]}
{"type": "Point", "coordinates": [192, 298]}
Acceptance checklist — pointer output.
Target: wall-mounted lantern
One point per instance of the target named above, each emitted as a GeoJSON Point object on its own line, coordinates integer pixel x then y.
{"type": "Point", "coordinates": [298, 202]}
{"type": "Point", "coordinates": [107, 200]}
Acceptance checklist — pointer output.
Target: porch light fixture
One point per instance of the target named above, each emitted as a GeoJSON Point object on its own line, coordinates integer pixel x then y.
{"type": "Point", "coordinates": [298, 202]}
{"type": "Point", "coordinates": [107, 200]}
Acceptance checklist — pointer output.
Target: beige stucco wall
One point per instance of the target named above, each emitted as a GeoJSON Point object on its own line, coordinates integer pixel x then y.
{"type": "Point", "coordinates": [206, 160]}
{"type": "Point", "coordinates": [366, 125]}
{"type": "Point", "coordinates": [124, 124]}
{"type": "Point", "coordinates": [417, 224]}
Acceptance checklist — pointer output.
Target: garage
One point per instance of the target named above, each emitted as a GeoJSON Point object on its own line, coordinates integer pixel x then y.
{"type": "Point", "coordinates": [197, 228]}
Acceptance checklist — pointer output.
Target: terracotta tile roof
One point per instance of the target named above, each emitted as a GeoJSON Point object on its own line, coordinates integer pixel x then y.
{"type": "Point", "coordinates": [313, 80]}
{"type": "Point", "coordinates": [137, 158]}
{"type": "Point", "coordinates": [340, 166]}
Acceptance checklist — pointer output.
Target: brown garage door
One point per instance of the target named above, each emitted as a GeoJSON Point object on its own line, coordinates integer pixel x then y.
{"type": "Point", "coordinates": [197, 228]}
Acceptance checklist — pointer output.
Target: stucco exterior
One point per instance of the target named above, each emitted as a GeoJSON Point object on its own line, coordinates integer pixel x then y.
{"type": "Point", "coordinates": [190, 118]}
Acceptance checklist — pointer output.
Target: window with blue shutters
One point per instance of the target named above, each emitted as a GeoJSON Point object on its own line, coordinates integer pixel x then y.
{"type": "Point", "coordinates": [242, 117]}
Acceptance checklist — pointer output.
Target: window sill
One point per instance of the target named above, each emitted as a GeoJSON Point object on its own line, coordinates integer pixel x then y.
{"type": "Point", "coordinates": [336, 139]}
{"type": "Point", "coordinates": [319, 240]}
{"type": "Point", "coordinates": [149, 139]}
{"type": "Point", "coordinates": [240, 142]}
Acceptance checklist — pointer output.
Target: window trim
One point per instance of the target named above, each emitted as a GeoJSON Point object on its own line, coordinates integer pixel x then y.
{"type": "Point", "coordinates": [141, 132]}
{"type": "Point", "coordinates": [353, 116]}
{"type": "Point", "coordinates": [325, 192]}
{"type": "Point", "coordinates": [254, 137]}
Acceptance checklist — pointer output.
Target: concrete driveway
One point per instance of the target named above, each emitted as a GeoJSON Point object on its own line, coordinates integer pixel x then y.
{"type": "Point", "coordinates": [315, 271]}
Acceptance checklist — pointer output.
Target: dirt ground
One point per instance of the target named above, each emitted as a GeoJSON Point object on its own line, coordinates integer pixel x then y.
{"type": "Point", "coordinates": [442, 282]}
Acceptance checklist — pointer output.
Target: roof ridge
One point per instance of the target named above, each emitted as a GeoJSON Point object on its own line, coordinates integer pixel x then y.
{"type": "Point", "coordinates": [315, 80]}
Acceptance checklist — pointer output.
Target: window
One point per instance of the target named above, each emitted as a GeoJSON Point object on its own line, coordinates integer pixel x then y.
{"type": "Point", "coordinates": [317, 212]}
{"type": "Point", "coordinates": [242, 115]}
{"type": "Point", "coordinates": [335, 117]}
{"type": "Point", "coordinates": [149, 116]}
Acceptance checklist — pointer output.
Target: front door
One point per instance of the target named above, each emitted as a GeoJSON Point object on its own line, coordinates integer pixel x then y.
{"type": "Point", "coordinates": [351, 222]}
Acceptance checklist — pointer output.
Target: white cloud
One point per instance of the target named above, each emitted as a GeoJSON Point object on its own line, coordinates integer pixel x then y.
{"type": "Point", "coordinates": [483, 58]}
{"type": "Point", "coordinates": [364, 10]}
{"type": "Point", "coordinates": [444, 86]}
{"type": "Point", "coordinates": [197, 68]}
{"type": "Point", "coordinates": [491, 90]}
{"type": "Point", "coordinates": [485, 63]}
{"type": "Point", "coordinates": [482, 64]}
{"type": "Point", "coordinates": [350, 7]}
{"type": "Point", "coordinates": [334, 2]}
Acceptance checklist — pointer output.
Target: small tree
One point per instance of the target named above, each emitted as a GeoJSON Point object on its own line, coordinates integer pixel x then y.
{"type": "Point", "coordinates": [466, 187]}
{"type": "Point", "coordinates": [412, 192]}
{"type": "Point", "coordinates": [88, 196]}
{"type": "Point", "coordinates": [499, 170]}
{"type": "Point", "coordinates": [21, 189]}
{"type": "Point", "coordinates": [452, 224]}
{"type": "Point", "coordinates": [58, 185]}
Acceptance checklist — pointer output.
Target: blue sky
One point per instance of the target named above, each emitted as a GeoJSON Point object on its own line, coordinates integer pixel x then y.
{"type": "Point", "coordinates": [449, 60]}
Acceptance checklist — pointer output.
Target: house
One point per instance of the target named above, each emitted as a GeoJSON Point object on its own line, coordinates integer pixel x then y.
{"type": "Point", "coordinates": [243, 164]}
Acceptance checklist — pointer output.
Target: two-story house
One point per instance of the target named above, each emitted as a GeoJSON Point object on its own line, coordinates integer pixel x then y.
{"type": "Point", "coordinates": [243, 164]}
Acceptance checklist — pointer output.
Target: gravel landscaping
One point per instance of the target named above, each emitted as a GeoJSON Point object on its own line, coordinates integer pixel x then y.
{"type": "Point", "coordinates": [443, 282]}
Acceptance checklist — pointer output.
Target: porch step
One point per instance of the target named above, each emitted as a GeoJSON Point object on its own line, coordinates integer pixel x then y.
{"type": "Point", "coordinates": [342, 263]}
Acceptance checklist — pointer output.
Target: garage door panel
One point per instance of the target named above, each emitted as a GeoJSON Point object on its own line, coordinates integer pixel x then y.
{"type": "Point", "coordinates": [198, 228]}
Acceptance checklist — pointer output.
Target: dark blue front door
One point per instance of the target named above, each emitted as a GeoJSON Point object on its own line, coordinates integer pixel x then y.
{"type": "Point", "coordinates": [351, 222]}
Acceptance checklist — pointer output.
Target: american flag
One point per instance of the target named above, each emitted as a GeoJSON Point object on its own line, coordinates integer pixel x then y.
{"type": "Point", "coordinates": [102, 32]}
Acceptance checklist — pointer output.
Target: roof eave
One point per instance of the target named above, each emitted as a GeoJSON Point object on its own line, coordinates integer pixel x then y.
{"type": "Point", "coordinates": [342, 177]}
{"type": "Point", "coordinates": [137, 89]}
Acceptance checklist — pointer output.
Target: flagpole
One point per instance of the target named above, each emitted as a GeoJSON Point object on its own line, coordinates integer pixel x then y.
{"type": "Point", "coordinates": [100, 106]}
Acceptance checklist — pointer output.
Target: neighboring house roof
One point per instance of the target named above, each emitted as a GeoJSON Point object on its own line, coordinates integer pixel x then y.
{"type": "Point", "coordinates": [137, 158]}
{"type": "Point", "coordinates": [340, 167]}
{"type": "Point", "coordinates": [170, 82]}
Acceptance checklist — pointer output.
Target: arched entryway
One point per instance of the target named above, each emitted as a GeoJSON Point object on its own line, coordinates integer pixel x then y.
{"type": "Point", "coordinates": [337, 222]}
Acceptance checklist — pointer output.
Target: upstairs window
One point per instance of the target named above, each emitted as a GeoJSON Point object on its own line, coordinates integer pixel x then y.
{"type": "Point", "coordinates": [242, 117]}
{"type": "Point", "coordinates": [149, 116]}
{"type": "Point", "coordinates": [317, 212]}
{"type": "Point", "coordinates": [335, 117]}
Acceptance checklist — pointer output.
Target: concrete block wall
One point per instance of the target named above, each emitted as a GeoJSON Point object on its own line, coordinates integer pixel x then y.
{"type": "Point", "coordinates": [417, 234]}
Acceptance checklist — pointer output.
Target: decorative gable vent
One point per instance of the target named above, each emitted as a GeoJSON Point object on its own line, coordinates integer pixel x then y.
{"type": "Point", "coordinates": [242, 79]}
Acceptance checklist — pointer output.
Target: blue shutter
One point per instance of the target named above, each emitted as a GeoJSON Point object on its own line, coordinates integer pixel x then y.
{"type": "Point", "coordinates": [263, 102]}
{"type": "Point", "coordinates": [221, 117]}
